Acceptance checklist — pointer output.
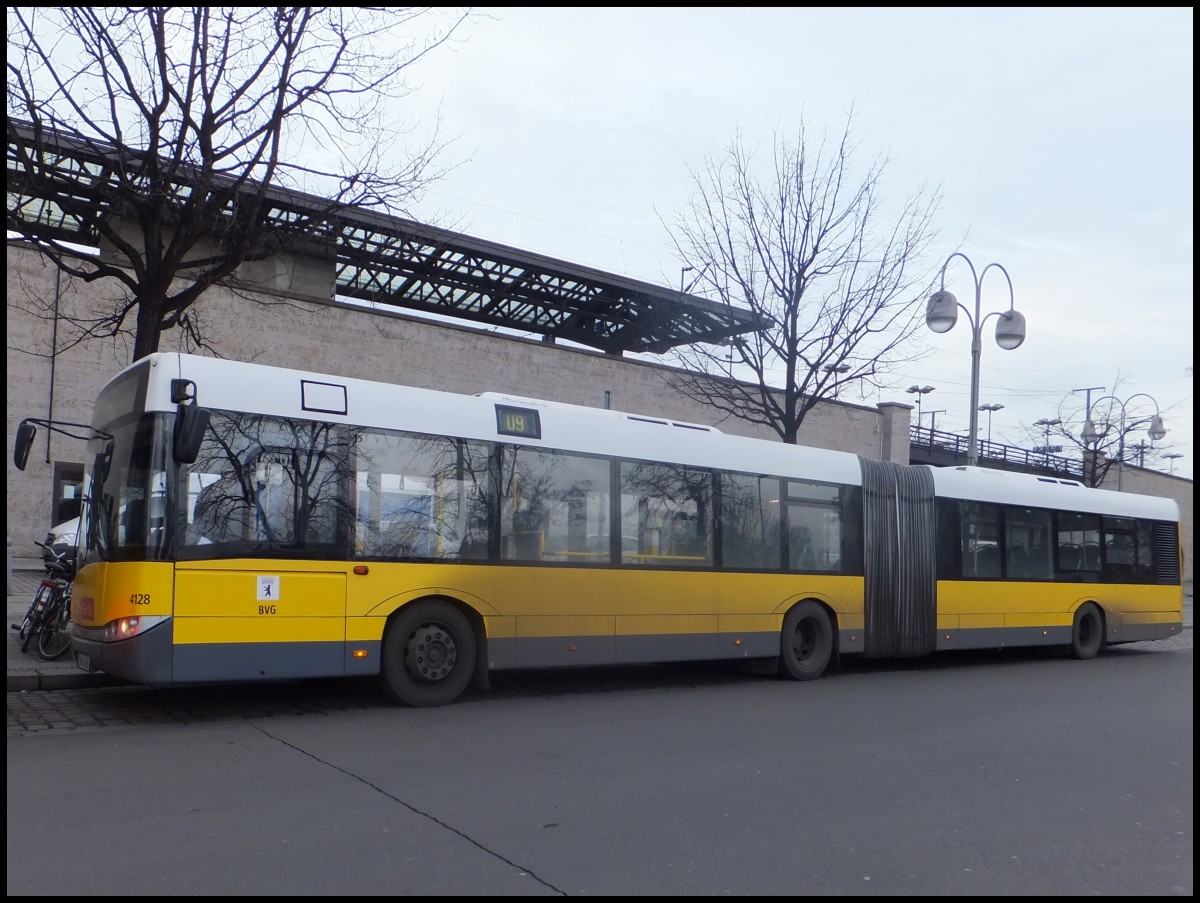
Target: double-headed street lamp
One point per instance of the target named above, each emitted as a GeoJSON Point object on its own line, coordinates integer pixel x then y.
{"type": "Point", "coordinates": [920, 392]}
{"type": "Point", "coordinates": [836, 372]}
{"type": "Point", "coordinates": [1045, 423]}
{"type": "Point", "coordinates": [991, 409]}
{"type": "Point", "coordinates": [941, 313]}
{"type": "Point", "coordinates": [1156, 431]}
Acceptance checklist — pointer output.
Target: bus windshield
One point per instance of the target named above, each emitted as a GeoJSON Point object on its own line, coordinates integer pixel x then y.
{"type": "Point", "coordinates": [127, 517]}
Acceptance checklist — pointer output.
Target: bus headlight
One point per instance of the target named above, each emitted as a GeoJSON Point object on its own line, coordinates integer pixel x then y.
{"type": "Point", "coordinates": [127, 628]}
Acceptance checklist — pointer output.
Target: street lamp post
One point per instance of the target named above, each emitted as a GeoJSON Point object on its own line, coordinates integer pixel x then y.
{"type": "Point", "coordinates": [941, 313]}
{"type": "Point", "coordinates": [1156, 431]}
{"type": "Point", "coordinates": [836, 372]}
{"type": "Point", "coordinates": [920, 392]}
{"type": "Point", "coordinates": [1045, 423]}
{"type": "Point", "coordinates": [1172, 458]}
{"type": "Point", "coordinates": [991, 409]}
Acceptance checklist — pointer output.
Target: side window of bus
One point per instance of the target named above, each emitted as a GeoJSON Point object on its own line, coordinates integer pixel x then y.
{"type": "Point", "coordinates": [980, 524]}
{"type": "Point", "coordinates": [554, 507]}
{"type": "Point", "coordinates": [266, 480]}
{"type": "Point", "coordinates": [295, 495]}
{"type": "Point", "coordinates": [949, 540]}
{"type": "Point", "coordinates": [1128, 549]}
{"type": "Point", "coordinates": [666, 515]}
{"type": "Point", "coordinates": [1027, 543]}
{"type": "Point", "coordinates": [750, 512]}
{"type": "Point", "coordinates": [1078, 544]}
{"type": "Point", "coordinates": [814, 526]}
{"type": "Point", "coordinates": [1144, 568]}
{"type": "Point", "coordinates": [419, 496]}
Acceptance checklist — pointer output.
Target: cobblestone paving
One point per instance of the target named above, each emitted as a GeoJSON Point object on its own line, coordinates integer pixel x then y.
{"type": "Point", "coordinates": [39, 711]}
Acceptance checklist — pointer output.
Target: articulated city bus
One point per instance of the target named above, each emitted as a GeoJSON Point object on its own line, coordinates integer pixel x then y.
{"type": "Point", "coordinates": [246, 522]}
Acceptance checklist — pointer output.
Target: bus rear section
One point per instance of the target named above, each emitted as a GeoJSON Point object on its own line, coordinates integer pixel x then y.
{"type": "Point", "coordinates": [1040, 561]}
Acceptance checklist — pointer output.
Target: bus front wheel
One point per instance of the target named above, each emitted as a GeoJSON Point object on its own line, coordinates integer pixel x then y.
{"type": "Point", "coordinates": [1087, 632]}
{"type": "Point", "coordinates": [806, 645]}
{"type": "Point", "coordinates": [428, 655]}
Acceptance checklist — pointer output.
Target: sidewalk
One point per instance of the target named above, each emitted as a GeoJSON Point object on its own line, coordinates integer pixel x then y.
{"type": "Point", "coordinates": [27, 672]}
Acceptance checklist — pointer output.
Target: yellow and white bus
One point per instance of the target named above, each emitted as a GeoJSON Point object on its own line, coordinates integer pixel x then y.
{"type": "Point", "coordinates": [248, 522]}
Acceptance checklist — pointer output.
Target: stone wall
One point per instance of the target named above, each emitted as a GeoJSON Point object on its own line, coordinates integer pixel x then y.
{"type": "Point", "coordinates": [306, 331]}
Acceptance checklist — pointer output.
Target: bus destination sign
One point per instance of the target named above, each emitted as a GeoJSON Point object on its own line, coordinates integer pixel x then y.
{"type": "Point", "coordinates": [523, 422]}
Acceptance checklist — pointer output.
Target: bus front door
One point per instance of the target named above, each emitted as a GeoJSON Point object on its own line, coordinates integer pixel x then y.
{"type": "Point", "coordinates": [258, 620]}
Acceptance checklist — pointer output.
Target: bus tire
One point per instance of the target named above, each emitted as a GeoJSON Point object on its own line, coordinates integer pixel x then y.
{"type": "Point", "coordinates": [806, 645]}
{"type": "Point", "coordinates": [1087, 632]}
{"type": "Point", "coordinates": [429, 655]}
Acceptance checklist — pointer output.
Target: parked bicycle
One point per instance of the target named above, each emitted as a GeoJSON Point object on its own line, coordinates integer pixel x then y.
{"type": "Point", "coordinates": [47, 622]}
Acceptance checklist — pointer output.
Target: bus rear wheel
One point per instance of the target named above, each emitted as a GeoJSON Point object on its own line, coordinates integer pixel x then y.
{"type": "Point", "coordinates": [1087, 632]}
{"type": "Point", "coordinates": [806, 645]}
{"type": "Point", "coordinates": [428, 655]}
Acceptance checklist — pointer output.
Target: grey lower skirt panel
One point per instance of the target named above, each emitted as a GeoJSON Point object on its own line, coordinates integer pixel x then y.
{"type": "Point", "coordinates": [1135, 633]}
{"type": "Point", "coordinates": [258, 661]}
{"type": "Point", "coordinates": [557, 652]}
{"type": "Point", "coordinates": [1016, 637]}
{"type": "Point", "coordinates": [152, 658]}
{"type": "Point", "coordinates": [1002, 637]}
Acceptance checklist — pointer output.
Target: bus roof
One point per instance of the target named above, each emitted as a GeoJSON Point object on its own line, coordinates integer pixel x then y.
{"type": "Point", "coordinates": [284, 392]}
{"type": "Point", "coordinates": [1035, 491]}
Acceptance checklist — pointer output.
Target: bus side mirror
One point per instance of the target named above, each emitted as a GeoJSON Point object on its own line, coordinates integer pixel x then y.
{"type": "Point", "coordinates": [25, 433]}
{"type": "Point", "coordinates": [190, 424]}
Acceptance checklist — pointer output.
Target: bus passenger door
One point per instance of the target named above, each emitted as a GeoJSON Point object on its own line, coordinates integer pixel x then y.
{"type": "Point", "coordinates": [265, 619]}
{"type": "Point", "coordinates": [269, 600]}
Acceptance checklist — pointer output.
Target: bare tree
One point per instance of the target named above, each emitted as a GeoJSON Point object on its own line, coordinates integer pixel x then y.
{"type": "Point", "coordinates": [837, 286]}
{"type": "Point", "coordinates": [192, 120]}
{"type": "Point", "coordinates": [1122, 420]}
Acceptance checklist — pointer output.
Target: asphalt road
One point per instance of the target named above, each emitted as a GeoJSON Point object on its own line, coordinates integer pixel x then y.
{"type": "Point", "coordinates": [1019, 773]}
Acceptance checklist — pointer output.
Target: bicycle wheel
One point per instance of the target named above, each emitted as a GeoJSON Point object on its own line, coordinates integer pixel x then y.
{"type": "Point", "coordinates": [32, 624]}
{"type": "Point", "coordinates": [54, 639]}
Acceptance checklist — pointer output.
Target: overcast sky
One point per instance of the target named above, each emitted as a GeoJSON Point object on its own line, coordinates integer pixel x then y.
{"type": "Point", "coordinates": [1061, 140]}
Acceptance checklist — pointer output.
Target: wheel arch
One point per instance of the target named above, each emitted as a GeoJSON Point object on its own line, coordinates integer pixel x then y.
{"type": "Point", "coordinates": [1080, 646]}
{"type": "Point", "coordinates": [1106, 616]}
{"type": "Point", "coordinates": [479, 680]}
{"type": "Point", "coordinates": [1089, 600]}
{"type": "Point", "coordinates": [808, 640]}
{"type": "Point", "coordinates": [825, 602]}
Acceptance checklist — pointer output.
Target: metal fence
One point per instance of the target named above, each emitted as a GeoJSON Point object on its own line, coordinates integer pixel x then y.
{"type": "Point", "coordinates": [929, 446]}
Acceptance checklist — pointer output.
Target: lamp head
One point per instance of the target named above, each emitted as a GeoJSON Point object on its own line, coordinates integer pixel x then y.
{"type": "Point", "coordinates": [1157, 430]}
{"type": "Point", "coordinates": [1090, 433]}
{"type": "Point", "coordinates": [1010, 330]}
{"type": "Point", "coordinates": [941, 312]}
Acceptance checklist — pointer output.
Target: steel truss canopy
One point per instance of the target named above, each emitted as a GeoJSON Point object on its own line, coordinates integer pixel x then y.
{"type": "Point", "coordinates": [63, 187]}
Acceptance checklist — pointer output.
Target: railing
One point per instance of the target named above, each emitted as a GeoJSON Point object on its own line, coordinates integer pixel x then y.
{"type": "Point", "coordinates": [936, 447]}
